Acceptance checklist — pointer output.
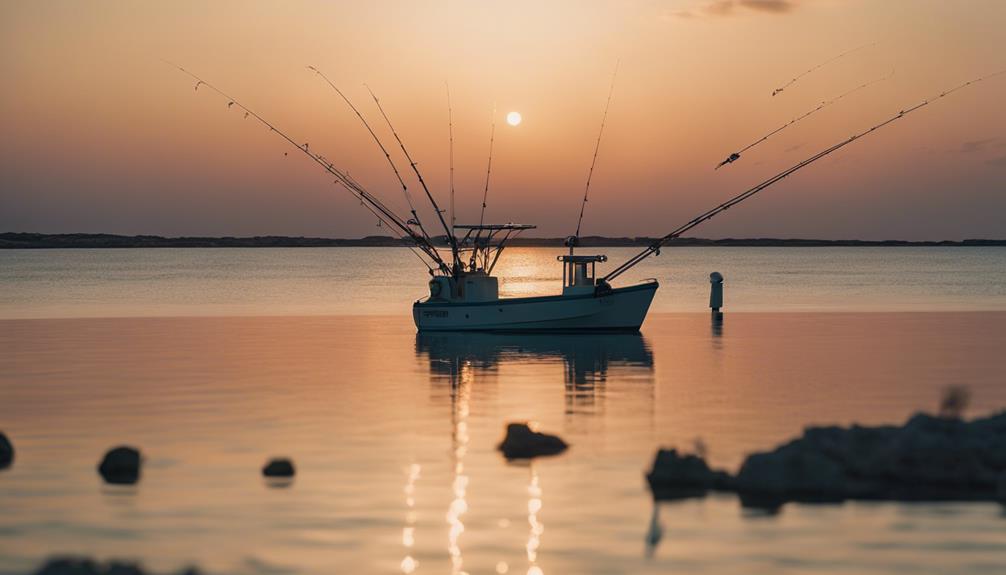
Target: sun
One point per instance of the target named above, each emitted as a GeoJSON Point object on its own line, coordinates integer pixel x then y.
{"type": "Point", "coordinates": [513, 118]}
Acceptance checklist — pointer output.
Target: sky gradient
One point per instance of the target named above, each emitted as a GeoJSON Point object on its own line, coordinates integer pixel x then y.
{"type": "Point", "coordinates": [101, 136]}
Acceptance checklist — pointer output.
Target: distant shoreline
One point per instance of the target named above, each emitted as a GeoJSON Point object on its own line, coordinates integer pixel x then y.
{"type": "Point", "coordinates": [69, 241]}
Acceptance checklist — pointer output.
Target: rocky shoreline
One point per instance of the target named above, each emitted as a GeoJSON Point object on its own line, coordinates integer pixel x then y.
{"type": "Point", "coordinates": [929, 458]}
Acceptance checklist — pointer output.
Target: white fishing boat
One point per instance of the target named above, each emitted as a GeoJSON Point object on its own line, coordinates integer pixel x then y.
{"type": "Point", "coordinates": [614, 309]}
{"type": "Point", "coordinates": [470, 301]}
{"type": "Point", "coordinates": [463, 293]}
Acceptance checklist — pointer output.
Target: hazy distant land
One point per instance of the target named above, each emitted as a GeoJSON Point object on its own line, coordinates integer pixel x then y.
{"type": "Point", "coordinates": [54, 241]}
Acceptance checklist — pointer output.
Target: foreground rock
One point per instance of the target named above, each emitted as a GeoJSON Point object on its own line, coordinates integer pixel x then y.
{"type": "Point", "coordinates": [6, 452]}
{"type": "Point", "coordinates": [121, 466]}
{"type": "Point", "coordinates": [927, 459]}
{"type": "Point", "coordinates": [279, 467]}
{"type": "Point", "coordinates": [678, 476]}
{"type": "Point", "coordinates": [523, 443]}
{"type": "Point", "coordinates": [78, 566]}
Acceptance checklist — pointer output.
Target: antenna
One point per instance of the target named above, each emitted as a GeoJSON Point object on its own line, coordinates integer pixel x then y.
{"type": "Point", "coordinates": [433, 202]}
{"type": "Point", "coordinates": [489, 166]}
{"type": "Point", "coordinates": [590, 174]}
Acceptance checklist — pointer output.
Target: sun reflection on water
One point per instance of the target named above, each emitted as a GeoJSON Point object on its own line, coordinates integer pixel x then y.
{"type": "Point", "coordinates": [460, 358]}
{"type": "Point", "coordinates": [460, 398]}
{"type": "Point", "coordinates": [536, 527]}
{"type": "Point", "coordinates": [409, 563]}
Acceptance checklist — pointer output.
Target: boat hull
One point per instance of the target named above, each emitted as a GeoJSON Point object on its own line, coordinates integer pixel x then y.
{"type": "Point", "coordinates": [620, 309]}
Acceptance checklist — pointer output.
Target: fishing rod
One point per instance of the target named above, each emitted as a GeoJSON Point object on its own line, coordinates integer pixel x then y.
{"type": "Point", "coordinates": [401, 237]}
{"type": "Point", "coordinates": [440, 214]}
{"type": "Point", "coordinates": [821, 65]}
{"type": "Point", "coordinates": [456, 254]}
{"type": "Point", "coordinates": [655, 247]}
{"type": "Point", "coordinates": [485, 193]}
{"type": "Point", "coordinates": [450, 135]}
{"type": "Point", "coordinates": [394, 168]}
{"type": "Point", "coordinates": [597, 146]}
{"type": "Point", "coordinates": [395, 229]}
{"type": "Point", "coordinates": [373, 204]}
{"type": "Point", "coordinates": [489, 166]}
{"type": "Point", "coordinates": [824, 103]}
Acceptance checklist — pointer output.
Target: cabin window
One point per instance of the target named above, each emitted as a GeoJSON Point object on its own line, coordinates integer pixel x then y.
{"type": "Point", "coordinates": [579, 270]}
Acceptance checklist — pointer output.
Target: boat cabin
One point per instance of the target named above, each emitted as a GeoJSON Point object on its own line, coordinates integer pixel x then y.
{"type": "Point", "coordinates": [468, 287]}
{"type": "Point", "coordinates": [478, 250]}
{"type": "Point", "coordinates": [579, 273]}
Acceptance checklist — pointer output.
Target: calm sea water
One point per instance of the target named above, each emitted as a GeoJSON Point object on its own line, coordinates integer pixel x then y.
{"type": "Point", "coordinates": [354, 281]}
{"type": "Point", "coordinates": [394, 433]}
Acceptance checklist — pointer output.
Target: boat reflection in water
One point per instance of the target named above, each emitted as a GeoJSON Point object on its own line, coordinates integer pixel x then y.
{"type": "Point", "coordinates": [587, 359]}
{"type": "Point", "coordinates": [468, 360]}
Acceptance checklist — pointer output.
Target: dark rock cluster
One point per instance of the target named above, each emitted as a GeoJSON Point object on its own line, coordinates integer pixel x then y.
{"type": "Point", "coordinates": [926, 459]}
{"type": "Point", "coordinates": [677, 476]}
{"type": "Point", "coordinates": [523, 443]}
{"type": "Point", "coordinates": [279, 467]}
{"type": "Point", "coordinates": [121, 466]}
{"type": "Point", "coordinates": [79, 566]}
{"type": "Point", "coordinates": [6, 451]}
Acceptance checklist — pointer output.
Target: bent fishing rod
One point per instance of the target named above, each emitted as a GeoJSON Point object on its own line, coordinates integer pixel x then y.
{"type": "Point", "coordinates": [489, 165]}
{"type": "Point", "coordinates": [824, 104]}
{"type": "Point", "coordinates": [485, 190]}
{"type": "Point", "coordinates": [450, 139]}
{"type": "Point", "coordinates": [654, 248]}
{"type": "Point", "coordinates": [819, 66]}
{"type": "Point", "coordinates": [394, 168]}
{"type": "Point", "coordinates": [381, 211]}
{"type": "Point", "coordinates": [575, 239]}
{"type": "Point", "coordinates": [440, 213]}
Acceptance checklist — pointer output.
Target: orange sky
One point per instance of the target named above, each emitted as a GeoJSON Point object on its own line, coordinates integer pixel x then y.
{"type": "Point", "coordinates": [100, 136]}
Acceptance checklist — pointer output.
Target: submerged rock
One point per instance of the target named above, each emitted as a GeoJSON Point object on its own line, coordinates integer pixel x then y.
{"type": "Point", "coordinates": [121, 466]}
{"type": "Point", "coordinates": [678, 476]}
{"type": "Point", "coordinates": [523, 443]}
{"type": "Point", "coordinates": [928, 458]}
{"type": "Point", "coordinates": [80, 566]}
{"type": "Point", "coordinates": [279, 467]}
{"type": "Point", "coordinates": [6, 451]}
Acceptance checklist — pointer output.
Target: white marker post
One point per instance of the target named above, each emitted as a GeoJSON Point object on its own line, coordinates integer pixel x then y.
{"type": "Point", "coordinates": [716, 295]}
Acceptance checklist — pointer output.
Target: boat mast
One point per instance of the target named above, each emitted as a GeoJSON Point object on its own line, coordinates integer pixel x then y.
{"type": "Point", "coordinates": [394, 168]}
{"type": "Point", "coordinates": [655, 247]}
{"type": "Point", "coordinates": [440, 213]}
{"type": "Point", "coordinates": [575, 239]}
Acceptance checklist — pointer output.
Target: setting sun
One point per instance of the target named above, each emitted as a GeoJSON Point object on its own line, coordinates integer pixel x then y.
{"type": "Point", "coordinates": [513, 118]}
